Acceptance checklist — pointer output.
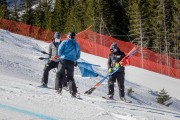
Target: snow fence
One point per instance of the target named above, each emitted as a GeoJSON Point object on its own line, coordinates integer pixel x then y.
{"type": "Point", "coordinates": [98, 44]}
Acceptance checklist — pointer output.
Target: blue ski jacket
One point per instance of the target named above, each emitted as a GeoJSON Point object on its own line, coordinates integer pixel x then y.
{"type": "Point", "coordinates": [69, 50]}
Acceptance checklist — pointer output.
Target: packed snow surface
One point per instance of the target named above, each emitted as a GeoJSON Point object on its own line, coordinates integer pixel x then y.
{"type": "Point", "coordinates": [21, 99]}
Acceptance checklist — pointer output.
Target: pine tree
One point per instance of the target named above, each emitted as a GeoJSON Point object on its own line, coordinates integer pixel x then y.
{"type": "Point", "coordinates": [14, 14]}
{"type": "Point", "coordinates": [133, 13]}
{"type": "Point", "coordinates": [58, 18]}
{"type": "Point", "coordinates": [89, 16]}
{"type": "Point", "coordinates": [146, 8]}
{"type": "Point", "coordinates": [162, 97]}
{"type": "Point", "coordinates": [174, 25]}
{"type": "Point", "coordinates": [27, 17]}
{"type": "Point", "coordinates": [39, 18]}
{"type": "Point", "coordinates": [47, 14]}
{"type": "Point", "coordinates": [4, 13]}
{"type": "Point", "coordinates": [113, 19]}
{"type": "Point", "coordinates": [96, 13]}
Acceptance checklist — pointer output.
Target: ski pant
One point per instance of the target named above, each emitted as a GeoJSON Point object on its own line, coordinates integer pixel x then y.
{"type": "Point", "coordinates": [119, 76]}
{"type": "Point", "coordinates": [69, 67]}
{"type": "Point", "coordinates": [49, 66]}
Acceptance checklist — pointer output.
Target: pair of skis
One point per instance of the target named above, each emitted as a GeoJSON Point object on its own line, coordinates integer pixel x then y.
{"type": "Point", "coordinates": [114, 70]}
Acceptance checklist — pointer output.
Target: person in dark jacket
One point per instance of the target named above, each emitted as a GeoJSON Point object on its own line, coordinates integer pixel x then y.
{"type": "Point", "coordinates": [114, 58]}
{"type": "Point", "coordinates": [69, 52]}
{"type": "Point", "coordinates": [52, 63]}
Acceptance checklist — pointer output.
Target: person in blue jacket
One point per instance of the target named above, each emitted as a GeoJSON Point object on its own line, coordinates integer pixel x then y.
{"type": "Point", "coordinates": [69, 52]}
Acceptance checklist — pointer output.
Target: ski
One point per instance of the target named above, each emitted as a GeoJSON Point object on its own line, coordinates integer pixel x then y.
{"type": "Point", "coordinates": [114, 70]}
{"type": "Point", "coordinates": [43, 58]}
{"type": "Point", "coordinates": [126, 101]}
{"type": "Point", "coordinates": [41, 86]}
{"type": "Point", "coordinates": [98, 84]}
{"type": "Point", "coordinates": [107, 98]}
{"type": "Point", "coordinates": [43, 52]}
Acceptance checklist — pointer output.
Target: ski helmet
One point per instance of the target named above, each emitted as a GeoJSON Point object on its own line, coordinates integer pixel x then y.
{"type": "Point", "coordinates": [114, 47]}
{"type": "Point", "coordinates": [57, 35]}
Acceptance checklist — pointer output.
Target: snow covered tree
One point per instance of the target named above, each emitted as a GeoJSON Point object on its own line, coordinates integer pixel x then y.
{"type": "Point", "coordinates": [162, 97]}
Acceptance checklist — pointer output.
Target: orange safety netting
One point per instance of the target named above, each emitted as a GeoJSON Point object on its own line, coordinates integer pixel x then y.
{"type": "Point", "coordinates": [143, 58]}
{"type": "Point", "coordinates": [27, 30]}
{"type": "Point", "coordinates": [98, 44]}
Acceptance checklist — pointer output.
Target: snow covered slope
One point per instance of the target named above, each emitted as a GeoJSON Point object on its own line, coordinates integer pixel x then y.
{"type": "Point", "coordinates": [20, 99]}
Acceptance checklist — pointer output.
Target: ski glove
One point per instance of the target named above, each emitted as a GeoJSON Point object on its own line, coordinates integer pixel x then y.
{"type": "Point", "coordinates": [116, 65]}
{"type": "Point", "coordinates": [124, 63]}
{"type": "Point", "coordinates": [110, 70]}
{"type": "Point", "coordinates": [54, 57]}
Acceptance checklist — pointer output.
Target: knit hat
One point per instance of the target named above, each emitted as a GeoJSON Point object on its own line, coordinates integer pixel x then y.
{"type": "Point", "coordinates": [71, 34]}
{"type": "Point", "coordinates": [57, 35]}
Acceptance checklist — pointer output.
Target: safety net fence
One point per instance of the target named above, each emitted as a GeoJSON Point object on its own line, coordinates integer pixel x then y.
{"type": "Point", "coordinates": [98, 44]}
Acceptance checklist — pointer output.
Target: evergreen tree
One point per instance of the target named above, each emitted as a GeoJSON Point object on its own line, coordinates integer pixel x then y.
{"type": "Point", "coordinates": [4, 13]}
{"type": "Point", "coordinates": [74, 15]}
{"type": "Point", "coordinates": [27, 17]}
{"type": "Point", "coordinates": [39, 18]}
{"type": "Point", "coordinates": [58, 18]}
{"type": "Point", "coordinates": [75, 19]}
{"type": "Point", "coordinates": [174, 25]}
{"type": "Point", "coordinates": [162, 97]}
{"type": "Point", "coordinates": [156, 27]}
{"type": "Point", "coordinates": [47, 14]}
{"type": "Point", "coordinates": [14, 14]}
{"type": "Point", "coordinates": [114, 19]}
{"type": "Point", "coordinates": [146, 8]}
{"type": "Point", "coordinates": [96, 13]}
{"type": "Point", "coordinates": [89, 15]}
{"type": "Point", "coordinates": [134, 16]}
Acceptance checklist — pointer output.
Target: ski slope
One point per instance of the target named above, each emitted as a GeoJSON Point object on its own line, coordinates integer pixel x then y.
{"type": "Point", "coordinates": [20, 99]}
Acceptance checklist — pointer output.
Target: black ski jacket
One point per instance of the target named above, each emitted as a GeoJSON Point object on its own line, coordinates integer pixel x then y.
{"type": "Point", "coordinates": [115, 57]}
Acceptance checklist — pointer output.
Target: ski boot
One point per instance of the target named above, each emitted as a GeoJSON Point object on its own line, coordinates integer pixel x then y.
{"type": "Point", "coordinates": [111, 97]}
{"type": "Point", "coordinates": [59, 91]}
{"type": "Point", "coordinates": [123, 99]}
{"type": "Point", "coordinates": [44, 85]}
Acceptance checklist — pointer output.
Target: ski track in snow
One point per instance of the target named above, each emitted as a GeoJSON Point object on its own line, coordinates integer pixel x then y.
{"type": "Point", "coordinates": [20, 99]}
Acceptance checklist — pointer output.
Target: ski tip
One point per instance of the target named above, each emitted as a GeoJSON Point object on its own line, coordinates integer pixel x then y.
{"type": "Point", "coordinates": [88, 92]}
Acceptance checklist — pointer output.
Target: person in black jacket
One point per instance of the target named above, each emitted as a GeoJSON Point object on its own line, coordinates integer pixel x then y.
{"type": "Point", "coordinates": [114, 58]}
{"type": "Point", "coordinates": [52, 63]}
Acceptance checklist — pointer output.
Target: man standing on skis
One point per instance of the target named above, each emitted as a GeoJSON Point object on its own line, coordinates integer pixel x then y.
{"type": "Point", "coordinates": [114, 58]}
{"type": "Point", "coordinates": [69, 52]}
{"type": "Point", "coordinates": [52, 63]}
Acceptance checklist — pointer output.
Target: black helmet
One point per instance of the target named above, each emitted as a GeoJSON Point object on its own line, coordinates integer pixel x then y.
{"type": "Point", "coordinates": [72, 34]}
{"type": "Point", "coordinates": [114, 47]}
